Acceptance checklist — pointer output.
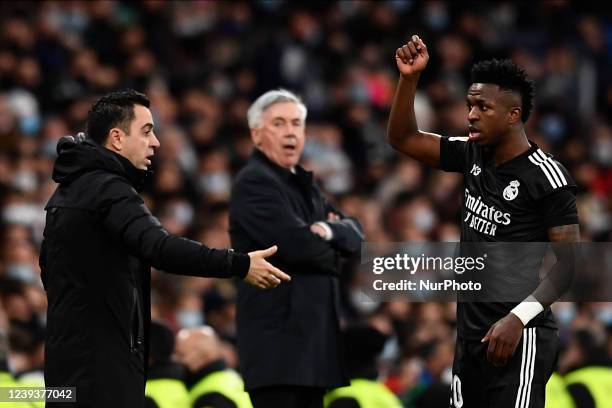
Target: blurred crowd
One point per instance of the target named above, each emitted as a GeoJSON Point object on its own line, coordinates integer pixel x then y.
{"type": "Point", "coordinates": [202, 63]}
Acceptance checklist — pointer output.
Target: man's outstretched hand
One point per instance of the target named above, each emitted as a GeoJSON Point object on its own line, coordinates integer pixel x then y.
{"type": "Point", "coordinates": [503, 337]}
{"type": "Point", "coordinates": [263, 274]}
{"type": "Point", "coordinates": [412, 57]}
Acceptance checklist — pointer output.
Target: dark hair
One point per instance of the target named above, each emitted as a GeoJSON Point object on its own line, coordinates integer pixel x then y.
{"type": "Point", "coordinates": [115, 109]}
{"type": "Point", "coordinates": [162, 342]}
{"type": "Point", "coordinates": [509, 76]}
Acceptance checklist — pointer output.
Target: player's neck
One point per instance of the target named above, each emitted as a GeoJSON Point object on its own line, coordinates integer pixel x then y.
{"type": "Point", "coordinates": [511, 146]}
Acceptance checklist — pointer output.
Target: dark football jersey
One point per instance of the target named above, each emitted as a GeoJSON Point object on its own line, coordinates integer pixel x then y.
{"type": "Point", "coordinates": [517, 201]}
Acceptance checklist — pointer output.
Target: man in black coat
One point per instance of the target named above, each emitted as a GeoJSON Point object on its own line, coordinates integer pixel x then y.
{"type": "Point", "coordinates": [99, 243]}
{"type": "Point", "coordinates": [288, 337]}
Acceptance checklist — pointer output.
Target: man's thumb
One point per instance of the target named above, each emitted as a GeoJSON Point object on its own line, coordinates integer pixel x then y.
{"type": "Point", "coordinates": [487, 337]}
{"type": "Point", "coordinates": [269, 252]}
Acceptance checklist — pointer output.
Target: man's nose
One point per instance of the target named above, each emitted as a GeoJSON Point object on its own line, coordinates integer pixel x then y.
{"type": "Point", "coordinates": [155, 142]}
{"type": "Point", "coordinates": [289, 130]}
{"type": "Point", "coordinates": [472, 115]}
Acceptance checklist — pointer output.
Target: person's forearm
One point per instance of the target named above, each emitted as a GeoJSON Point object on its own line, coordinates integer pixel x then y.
{"type": "Point", "coordinates": [552, 287]}
{"type": "Point", "coordinates": [181, 256]}
{"type": "Point", "coordinates": [559, 278]}
{"type": "Point", "coordinates": [402, 120]}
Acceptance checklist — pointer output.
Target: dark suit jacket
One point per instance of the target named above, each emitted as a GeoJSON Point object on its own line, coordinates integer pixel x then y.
{"type": "Point", "coordinates": [289, 335]}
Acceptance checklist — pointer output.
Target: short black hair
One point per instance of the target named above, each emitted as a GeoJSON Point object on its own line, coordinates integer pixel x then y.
{"type": "Point", "coordinates": [509, 76]}
{"type": "Point", "coordinates": [162, 342]}
{"type": "Point", "coordinates": [115, 109]}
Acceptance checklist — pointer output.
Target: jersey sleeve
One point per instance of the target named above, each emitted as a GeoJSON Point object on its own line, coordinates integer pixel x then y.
{"type": "Point", "coordinates": [553, 190]}
{"type": "Point", "coordinates": [558, 208]}
{"type": "Point", "coordinates": [453, 154]}
{"type": "Point", "coordinates": [548, 176]}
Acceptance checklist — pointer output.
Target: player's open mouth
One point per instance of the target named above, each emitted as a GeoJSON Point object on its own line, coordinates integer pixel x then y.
{"type": "Point", "coordinates": [475, 133]}
{"type": "Point", "coordinates": [289, 148]}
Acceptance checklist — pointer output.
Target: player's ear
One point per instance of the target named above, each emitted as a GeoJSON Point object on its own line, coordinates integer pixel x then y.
{"type": "Point", "coordinates": [514, 115]}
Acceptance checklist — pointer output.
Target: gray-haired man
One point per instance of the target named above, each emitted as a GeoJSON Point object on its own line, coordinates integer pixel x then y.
{"type": "Point", "coordinates": [288, 339]}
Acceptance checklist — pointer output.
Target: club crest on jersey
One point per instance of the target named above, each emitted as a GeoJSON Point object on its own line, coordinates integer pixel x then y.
{"type": "Point", "coordinates": [511, 191]}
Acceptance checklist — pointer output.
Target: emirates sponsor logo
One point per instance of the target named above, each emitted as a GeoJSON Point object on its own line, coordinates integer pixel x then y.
{"type": "Point", "coordinates": [482, 217]}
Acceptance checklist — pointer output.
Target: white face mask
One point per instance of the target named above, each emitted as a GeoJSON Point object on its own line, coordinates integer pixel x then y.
{"type": "Point", "coordinates": [216, 182]}
{"type": "Point", "coordinates": [602, 150]}
{"type": "Point", "coordinates": [183, 213]}
{"type": "Point", "coordinates": [424, 219]}
{"type": "Point", "coordinates": [565, 314]}
{"type": "Point", "coordinates": [22, 271]}
{"type": "Point", "coordinates": [25, 181]}
{"type": "Point", "coordinates": [362, 302]}
{"type": "Point", "coordinates": [188, 318]}
{"type": "Point", "coordinates": [604, 315]}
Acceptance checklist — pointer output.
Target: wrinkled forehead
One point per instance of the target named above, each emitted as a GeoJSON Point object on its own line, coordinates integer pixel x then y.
{"type": "Point", "coordinates": [284, 110]}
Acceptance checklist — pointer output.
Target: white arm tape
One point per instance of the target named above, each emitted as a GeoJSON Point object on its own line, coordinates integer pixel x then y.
{"type": "Point", "coordinates": [527, 309]}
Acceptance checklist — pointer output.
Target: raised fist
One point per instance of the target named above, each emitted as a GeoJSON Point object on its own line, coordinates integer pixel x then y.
{"type": "Point", "coordinates": [411, 58]}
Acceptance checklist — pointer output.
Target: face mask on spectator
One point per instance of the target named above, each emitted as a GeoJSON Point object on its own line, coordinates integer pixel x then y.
{"type": "Point", "coordinates": [188, 318]}
{"type": "Point", "coordinates": [566, 314]}
{"type": "Point", "coordinates": [215, 183]}
{"type": "Point", "coordinates": [22, 213]}
{"type": "Point", "coordinates": [49, 148]}
{"type": "Point", "coordinates": [602, 150]}
{"type": "Point", "coordinates": [183, 213]}
{"type": "Point", "coordinates": [25, 181]}
{"type": "Point", "coordinates": [361, 302]}
{"type": "Point", "coordinates": [29, 125]}
{"type": "Point", "coordinates": [604, 315]}
{"type": "Point", "coordinates": [424, 219]}
{"type": "Point", "coordinates": [22, 271]}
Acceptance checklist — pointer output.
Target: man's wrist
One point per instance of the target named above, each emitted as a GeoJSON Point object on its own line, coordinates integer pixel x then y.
{"type": "Point", "coordinates": [329, 233]}
{"type": "Point", "coordinates": [238, 263]}
{"type": "Point", "coordinates": [414, 77]}
{"type": "Point", "coordinates": [527, 309]}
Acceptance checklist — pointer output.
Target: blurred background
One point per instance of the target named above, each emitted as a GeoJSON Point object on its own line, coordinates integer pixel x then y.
{"type": "Point", "coordinates": [202, 63]}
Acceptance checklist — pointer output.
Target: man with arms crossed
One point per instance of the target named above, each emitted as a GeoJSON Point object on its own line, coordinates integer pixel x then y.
{"type": "Point", "coordinates": [289, 337]}
{"type": "Point", "coordinates": [534, 198]}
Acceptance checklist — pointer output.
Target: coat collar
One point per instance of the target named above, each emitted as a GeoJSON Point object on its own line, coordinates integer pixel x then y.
{"type": "Point", "coordinates": [136, 176]}
{"type": "Point", "coordinates": [285, 174]}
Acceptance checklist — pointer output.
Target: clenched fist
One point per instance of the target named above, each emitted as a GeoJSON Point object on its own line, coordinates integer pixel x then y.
{"type": "Point", "coordinates": [412, 57]}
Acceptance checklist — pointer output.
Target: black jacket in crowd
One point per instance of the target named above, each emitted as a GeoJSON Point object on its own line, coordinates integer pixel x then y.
{"type": "Point", "coordinates": [99, 243]}
{"type": "Point", "coordinates": [289, 335]}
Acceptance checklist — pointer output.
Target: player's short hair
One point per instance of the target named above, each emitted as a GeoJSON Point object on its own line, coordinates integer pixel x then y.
{"type": "Point", "coordinates": [257, 108]}
{"type": "Point", "coordinates": [508, 76]}
{"type": "Point", "coordinates": [115, 109]}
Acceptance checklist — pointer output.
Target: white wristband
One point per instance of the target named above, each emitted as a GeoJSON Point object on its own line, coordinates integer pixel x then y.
{"type": "Point", "coordinates": [527, 309]}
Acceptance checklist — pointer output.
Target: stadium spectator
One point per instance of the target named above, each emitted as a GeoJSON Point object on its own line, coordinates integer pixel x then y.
{"type": "Point", "coordinates": [165, 386]}
{"type": "Point", "coordinates": [210, 382]}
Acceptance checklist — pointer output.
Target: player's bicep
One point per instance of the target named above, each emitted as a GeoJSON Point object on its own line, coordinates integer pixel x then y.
{"type": "Point", "coordinates": [423, 147]}
{"type": "Point", "coordinates": [564, 233]}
